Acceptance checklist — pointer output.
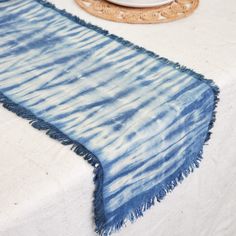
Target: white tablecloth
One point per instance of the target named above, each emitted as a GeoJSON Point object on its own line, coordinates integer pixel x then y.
{"type": "Point", "coordinates": [46, 190]}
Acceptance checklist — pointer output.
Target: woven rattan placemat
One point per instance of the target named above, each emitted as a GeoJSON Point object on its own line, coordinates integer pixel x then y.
{"type": "Point", "coordinates": [109, 11]}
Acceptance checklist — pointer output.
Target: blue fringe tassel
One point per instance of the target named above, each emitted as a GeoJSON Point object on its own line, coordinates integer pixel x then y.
{"type": "Point", "coordinates": [53, 132]}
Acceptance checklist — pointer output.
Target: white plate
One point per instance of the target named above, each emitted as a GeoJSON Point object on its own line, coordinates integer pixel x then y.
{"type": "Point", "coordinates": [140, 3]}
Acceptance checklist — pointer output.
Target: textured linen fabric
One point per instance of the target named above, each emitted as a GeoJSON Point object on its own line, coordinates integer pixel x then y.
{"type": "Point", "coordinates": [55, 203]}
{"type": "Point", "coordinates": [143, 119]}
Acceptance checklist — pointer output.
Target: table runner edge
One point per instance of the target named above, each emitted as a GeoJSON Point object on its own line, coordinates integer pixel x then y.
{"type": "Point", "coordinates": [79, 149]}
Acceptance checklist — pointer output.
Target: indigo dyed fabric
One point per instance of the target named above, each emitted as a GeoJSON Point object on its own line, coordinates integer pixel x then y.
{"type": "Point", "coordinates": [139, 119]}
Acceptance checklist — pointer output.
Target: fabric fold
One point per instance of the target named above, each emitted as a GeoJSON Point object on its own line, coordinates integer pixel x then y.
{"type": "Point", "coordinates": [139, 119]}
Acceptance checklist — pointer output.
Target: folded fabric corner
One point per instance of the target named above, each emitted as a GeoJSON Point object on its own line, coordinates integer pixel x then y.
{"type": "Point", "coordinates": [140, 120]}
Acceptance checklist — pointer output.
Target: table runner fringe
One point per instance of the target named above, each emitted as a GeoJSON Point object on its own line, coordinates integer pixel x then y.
{"type": "Point", "coordinates": [53, 132]}
{"type": "Point", "coordinates": [78, 148]}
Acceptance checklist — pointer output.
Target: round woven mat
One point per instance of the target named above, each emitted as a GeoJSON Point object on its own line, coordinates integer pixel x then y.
{"type": "Point", "coordinates": [109, 11]}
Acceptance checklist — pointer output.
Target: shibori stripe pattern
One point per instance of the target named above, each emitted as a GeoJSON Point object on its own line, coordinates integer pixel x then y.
{"type": "Point", "coordinates": [139, 119]}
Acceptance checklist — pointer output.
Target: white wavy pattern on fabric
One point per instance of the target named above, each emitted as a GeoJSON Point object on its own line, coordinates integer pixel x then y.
{"type": "Point", "coordinates": [141, 117]}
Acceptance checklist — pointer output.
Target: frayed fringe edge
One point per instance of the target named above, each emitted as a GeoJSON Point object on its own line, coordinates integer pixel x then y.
{"type": "Point", "coordinates": [150, 200]}
{"type": "Point", "coordinates": [100, 219]}
{"type": "Point", "coordinates": [178, 177]}
{"type": "Point", "coordinates": [78, 148]}
{"type": "Point", "coordinates": [183, 173]}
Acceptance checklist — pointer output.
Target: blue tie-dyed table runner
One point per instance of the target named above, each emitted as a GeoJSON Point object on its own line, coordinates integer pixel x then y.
{"type": "Point", "coordinates": [139, 119]}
